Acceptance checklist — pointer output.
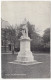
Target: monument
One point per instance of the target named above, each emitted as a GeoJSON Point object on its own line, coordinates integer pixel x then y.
{"type": "Point", "coordinates": [25, 54]}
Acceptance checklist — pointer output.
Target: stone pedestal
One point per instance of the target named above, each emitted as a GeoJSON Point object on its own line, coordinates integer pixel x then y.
{"type": "Point", "coordinates": [25, 54]}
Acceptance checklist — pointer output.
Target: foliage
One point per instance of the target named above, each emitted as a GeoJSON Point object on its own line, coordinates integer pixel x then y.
{"type": "Point", "coordinates": [38, 43]}
{"type": "Point", "coordinates": [8, 36]}
{"type": "Point", "coordinates": [46, 39]}
{"type": "Point", "coordinates": [46, 36]}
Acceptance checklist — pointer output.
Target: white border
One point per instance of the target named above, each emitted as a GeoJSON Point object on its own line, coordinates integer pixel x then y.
{"type": "Point", "coordinates": [25, 0]}
{"type": "Point", "coordinates": [0, 39]}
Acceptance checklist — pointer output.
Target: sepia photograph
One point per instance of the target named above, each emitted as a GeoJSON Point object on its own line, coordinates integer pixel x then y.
{"type": "Point", "coordinates": [25, 39]}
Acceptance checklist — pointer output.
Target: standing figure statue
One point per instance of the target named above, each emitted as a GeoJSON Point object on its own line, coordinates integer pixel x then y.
{"type": "Point", "coordinates": [25, 31]}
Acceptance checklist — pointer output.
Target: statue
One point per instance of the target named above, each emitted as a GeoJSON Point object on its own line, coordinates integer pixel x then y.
{"type": "Point", "coordinates": [25, 54]}
{"type": "Point", "coordinates": [24, 31]}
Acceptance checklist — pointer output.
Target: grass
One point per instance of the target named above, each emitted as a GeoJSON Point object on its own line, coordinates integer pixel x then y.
{"type": "Point", "coordinates": [21, 71]}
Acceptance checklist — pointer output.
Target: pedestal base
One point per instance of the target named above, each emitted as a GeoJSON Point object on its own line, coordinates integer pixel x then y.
{"type": "Point", "coordinates": [25, 54]}
{"type": "Point", "coordinates": [25, 57]}
{"type": "Point", "coordinates": [25, 63]}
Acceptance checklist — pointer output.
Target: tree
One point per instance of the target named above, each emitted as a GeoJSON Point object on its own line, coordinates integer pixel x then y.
{"type": "Point", "coordinates": [46, 36]}
{"type": "Point", "coordinates": [4, 37]}
{"type": "Point", "coordinates": [31, 29]}
{"type": "Point", "coordinates": [36, 42]}
{"type": "Point", "coordinates": [8, 34]}
{"type": "Point", "coordinates": [46, 39]}
{"type": "Point", "coordinates": [12, 37]}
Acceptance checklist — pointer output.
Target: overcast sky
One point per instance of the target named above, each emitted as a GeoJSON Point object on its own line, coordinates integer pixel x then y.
{"type": "Point", "coordinates": [37, 13]}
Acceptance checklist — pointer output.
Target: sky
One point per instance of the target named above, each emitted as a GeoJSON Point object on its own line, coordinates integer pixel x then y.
{"type": "Point", "coordinates": [37, 13]}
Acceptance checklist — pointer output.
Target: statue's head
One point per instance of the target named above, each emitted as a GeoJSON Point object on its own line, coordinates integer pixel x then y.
{"type": "Point", "coordinates": [25, 21]}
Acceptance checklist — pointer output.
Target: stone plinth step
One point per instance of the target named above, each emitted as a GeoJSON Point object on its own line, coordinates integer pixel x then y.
{"type": "Point", "coordinates": [25, 63]}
